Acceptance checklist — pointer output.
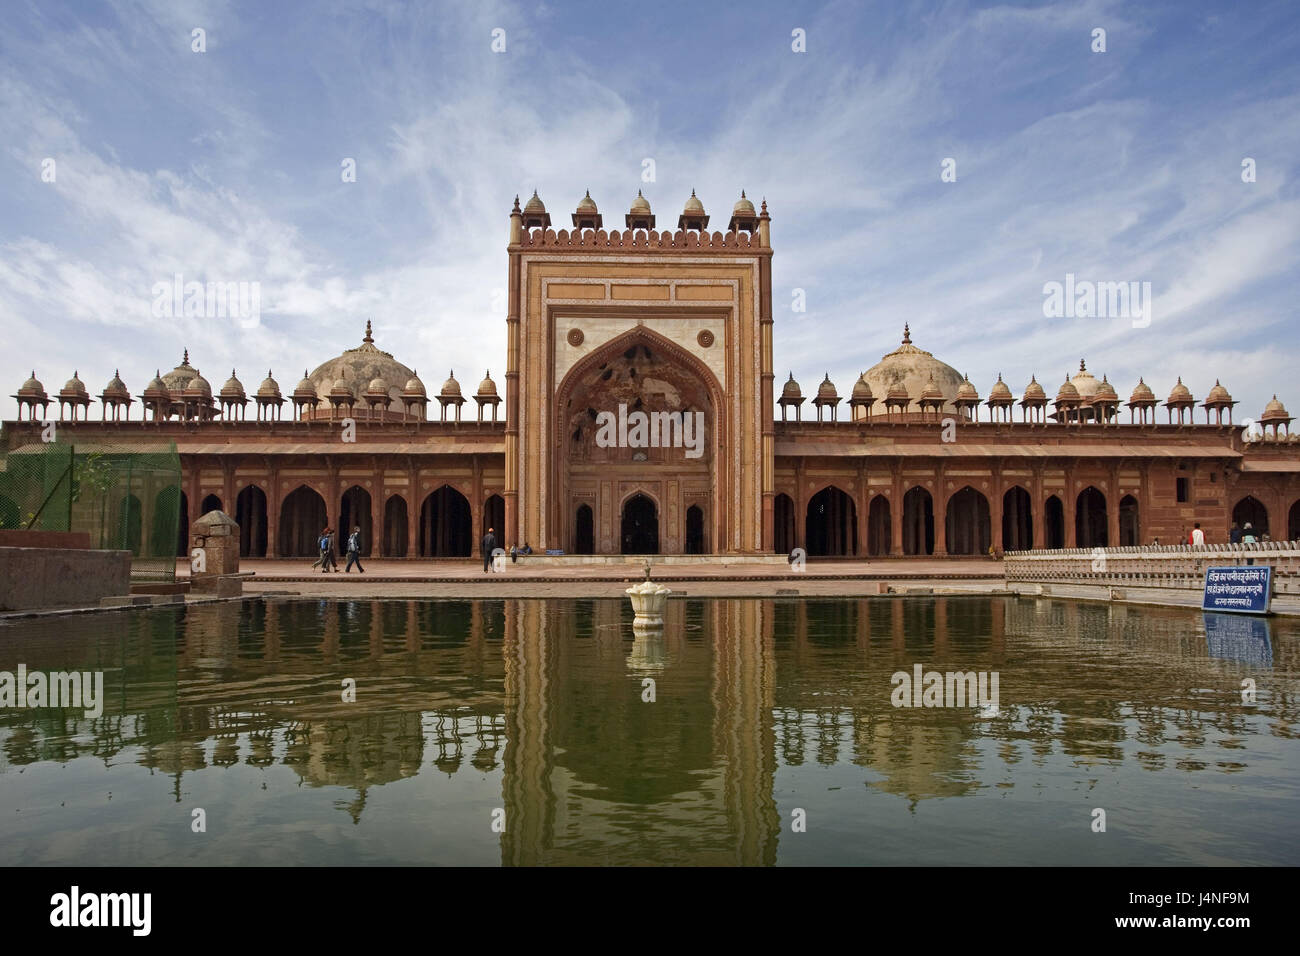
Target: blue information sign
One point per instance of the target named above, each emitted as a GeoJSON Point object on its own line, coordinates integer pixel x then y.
{"type": "Point", "coordinates": [1242, 589]}
{"type": "Point", "coordinates": [1244, 639]}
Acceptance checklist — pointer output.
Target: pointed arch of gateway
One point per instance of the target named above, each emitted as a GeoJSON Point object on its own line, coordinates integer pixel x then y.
{"type": "Point", "coordinates": [639, 524]}
{"type": "Point", "coordinates": [642, 371]}
{"type": "Point", "coordinates": [250, 515]}
{"type": "Point", "coordinates": [1053, 523]}
{"type": "Point", "coordinates": [831, 523]}
{"type": "Point", "coordinates": [918, 521]}
{"type": "Point", "coordinates": [1090, 522]}
{"type": "Point", "coordinates": [1251, 509]}
{"type": "Point", "coordinates": [302, 518]}
{"type": "Point", "coordinates": [879, 527]}
{"type": "Point", "coordinates": [1017, 520]}
{"type": "Point", "coordinates": [354, 511]}
{"type": "Point", "coordinates": [967, 529]}
{"type": "Point", "coordinates": [446, 527]}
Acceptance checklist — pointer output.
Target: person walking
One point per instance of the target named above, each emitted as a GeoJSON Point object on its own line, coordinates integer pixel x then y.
{"type": "Point", "coordinates": [321, 544]}
{"type": "Point", "coordinates": [331, 558]}
{"type": "Point", "coordinates": [488, 544]}
{"type": "Point", "coordinates": [354, 551]}
{"type": "Point", "coordinates": [1198, 536]}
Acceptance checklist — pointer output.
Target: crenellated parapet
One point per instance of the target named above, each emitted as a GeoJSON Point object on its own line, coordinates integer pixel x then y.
{"type": "Point", "coordinates": [632, 240]}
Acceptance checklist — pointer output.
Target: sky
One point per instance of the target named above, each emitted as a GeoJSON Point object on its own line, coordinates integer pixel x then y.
{"type": "Point", "coordinates": [227, 164]}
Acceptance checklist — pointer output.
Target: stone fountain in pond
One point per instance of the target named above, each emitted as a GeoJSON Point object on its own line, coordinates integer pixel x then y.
{"type": "Point", "coordinates": [648, 600]}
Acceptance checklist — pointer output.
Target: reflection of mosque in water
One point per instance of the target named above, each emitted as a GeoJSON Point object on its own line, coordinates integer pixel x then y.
{"type": "Point", "coordinates": [549, 694]}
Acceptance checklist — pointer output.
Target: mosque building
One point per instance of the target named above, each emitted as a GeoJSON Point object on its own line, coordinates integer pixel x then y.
{"type": "Point", "coordinates": [637, 414]}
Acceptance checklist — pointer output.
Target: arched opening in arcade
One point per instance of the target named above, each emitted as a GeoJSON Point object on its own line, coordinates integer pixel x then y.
{"type": "Point", "coordinates": [879, 527]}
{"type": "Point", "coordinates": [918, 522]}
{"type": "Point", "coordinates": [584, 532]}
{"type": "Point", "coordinates": [640, 525]}
{"type": "Point", "coordinates": [1293, 522]}
{"type": "Point", "coordinates": [302, 518]}
{"type": "Point", "coordinates": [1053, 523]}
{"type": "Point", "coordinates": [831, 527]}
{"type": "Point", "coordinates": [1017, 520]}
{"type": "Point", "coordinates": [1251, 510]}
{"type": "Point", "coordinates": [395, 519]}
{"type": "Point", "coordinates": [183, 528]}
{"type": "Point", "coordinates": [209, 503]}
{"type": "Point", "coordinates": [1090, 530]}
{"type": "Point", "coordinates": [130, 522]}
{"type": "Point", "coordinates": [1130, 531]}
{"type": "Point", "coordinates": [694, 530]}
{"type": "Point", "coordinates": [967, 527]}
{"type": "Point", "coordinates": [783, 524]}
{"type": "Point", "coordinates": [354, 511]}
{"type": "Point", "coordinates": [166, 504]}
{"type": "Point", "coordinates": [446, 529]}
{"type": "Point", "coordinates": [494, 516]}
{"type": "Point", "coordinates": [250, 513]}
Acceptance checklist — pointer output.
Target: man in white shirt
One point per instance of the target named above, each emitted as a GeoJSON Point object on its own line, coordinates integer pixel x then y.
{"type": "Point", "coordinates": [1198, 536]}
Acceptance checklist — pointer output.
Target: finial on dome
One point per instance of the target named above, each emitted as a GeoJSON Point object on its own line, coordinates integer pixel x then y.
{"type": "Point", "coordinates": [907, 335]}
{"type": "Point", "coordinates": [368, 339]}
{"type": "Point", "coordinates": [742, 194]}
{"type": "Point", "coordinates": [516, 206]}
{"type": "Point", "coordinates": [1082, 367]}
{"type": "Point", "coordinates": [185, 360]}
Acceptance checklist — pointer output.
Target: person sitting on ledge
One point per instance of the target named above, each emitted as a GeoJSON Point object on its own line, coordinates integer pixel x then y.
{"type": "Point", "coordinates": [1198, 536]}
{"type": "Point", "coordinates": [528, 548]}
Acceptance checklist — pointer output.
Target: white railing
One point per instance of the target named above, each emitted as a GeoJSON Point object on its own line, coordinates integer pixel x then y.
{"type": "Point", "coordinates": [1179, 566]}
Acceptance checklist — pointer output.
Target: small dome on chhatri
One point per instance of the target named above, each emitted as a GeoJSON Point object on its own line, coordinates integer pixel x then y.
{"type": "Point", "coordinates": [535, 206]}
{"type": "Point", "coordinates": [340, 389]}
{"type": "Point", "coordinates": [451, 386]}
{"type": "Point", "coordinates": [1217, 394]}
{"type": "Point", "coordinates": [1000, 390]}
{"type": "Point", "coordinates": [198, 387]}
{"type": "Point", "coordinates": [414, 387]}
{"type": "Point", "coordinates": [1034, 391]}
{"type": "Point", "coordinates": [1106, 391]}
{"type": "Point", "coordinates": [1142, 393]}
{"type": "Point", "coordinates": [116, 387]}
{"type": "Point", "coordinates": [897, 392]}
{"type": "Point", "coordinates": [640, 205]}
{"type": "Point", "coordinates": [233, 388]}
{"type": "Point", "coordinates": [743, 206]}
{"type": "Point", "coordinates": [305, 387]}
{"type": "Point", "coordinates": [1274, 409]}
{"type": "Point", "coordinates": [966, 390]}
{"type": "Point", "coordinates": [587, 204]}
{"type": "Point", "coordinates": [157, 388]}
{"type": "Point", "coordinates": [791, 389]}
{"type": "Point", "coordinates": [693, 206]}
{"type": "Point", "coordinates": [1084, 382]}
{"type": "Point", "coordinates": [826, 389]}
{"type": "Point", "coordinates": [74, 386]}
{"type": "Point", "coordinates": [377, 387]}
{"type": "Point", "coordinates": [32, 387]}
{"type": "Point", "coordinates": [487, 386]}
{"type": "Point", "coordinates": [861, 389]}
{"type": "Point", "coordinates": [269, 388]}
{"type": "Point", "coordinates": [1067, 393]}
{"type": "Point", "coordinates": [931, 391]}
{"type": "Point", "coordinates": [1180, 392]}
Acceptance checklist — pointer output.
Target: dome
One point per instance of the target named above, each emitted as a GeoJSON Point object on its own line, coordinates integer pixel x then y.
{"type": "Point", "coordinates": [535, 206]}
{"type": "Point", "coordinates": [693, 206]}
{"type": "Point", "coordinates": [1034, 392]}
{"type": "Point", "coordinates": [826, 389]}
{"type": "Point", "coordinates": [341, 390]}
{"type": "Point", "coordinates": [587, 205]}
{"type": "Point", "coordinates": [1105, 391]}
{"type": "Point", "coordinates": [157, 389]}
{"type": "Point", "coordinates": [791, 389]}
{"type": "Point", "coordinates": [912, 369]}
{"type": "Point", "coordinates": [74, 387]}
{"type": "Point", "coordinates": [198, 387]}
{"type": "Point", "coordinates": [1142, 393]}
{"type": "Point", "coordinates": [180, 376]}
{"type": "Point", "coordinates": [32, 388]}
{"type": "Point", "coordinates": [1085, 383]}
{"type": "Point", "coordinates": [357, 367]}
{"type": "Point", "coordinates": [269, 388]}
{"type": "Point", "coordinates": [1274, 410]}
{"type": "Point", "coordinates": [116, 388]}
{"type": "Point", "coordinates": [487, 386]}
{"type": "Point", "coordinates": [1068, 392]}
{"type": "Point", "coordinates": [1001, 391]}
{"type": "Point", "coordinates": [377, 387]}
{"type": "Point", "coordinates": [640, 205]}
{"type": "Point", "coordinates": [233, 388]}
{"type": "Point", "coordinates": [743, 206]}
{"type": "Point", "coordinates": [861, 389]}
{"type": "Point", "coordinates": [897, 393]}
{"type": "Point", "coordinates": [966, 390]}
{"type": "Point", "coordinates": [1218, 395]}
{"type": "Point", "coordinates": [451, 387]}
{"type": "Point", "coordinates": [1180, 393]}
{"type": "Point", "coordinates": [414, 387]}
{"type": "Point", "coordinates": [931, 391]}
{"type": "Point", "coordinates": [306, 388]}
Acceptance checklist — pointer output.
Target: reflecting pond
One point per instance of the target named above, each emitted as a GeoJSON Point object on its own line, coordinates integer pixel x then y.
{"type": "Point", "coordinates": [751, 732]}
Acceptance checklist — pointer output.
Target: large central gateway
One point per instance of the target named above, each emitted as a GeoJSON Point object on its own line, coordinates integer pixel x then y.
{"type": "Point", "coordinates": [639, 384]}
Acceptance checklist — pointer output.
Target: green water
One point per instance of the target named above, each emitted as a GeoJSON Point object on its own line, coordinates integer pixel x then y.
{"type": "Point", "coordinates": [518, 732]}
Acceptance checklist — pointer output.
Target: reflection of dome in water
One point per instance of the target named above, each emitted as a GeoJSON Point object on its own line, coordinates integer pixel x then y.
{"type": "Point", "coordinates": [914, 370]}
{"type": "Point", "coordinates": [356, 368]}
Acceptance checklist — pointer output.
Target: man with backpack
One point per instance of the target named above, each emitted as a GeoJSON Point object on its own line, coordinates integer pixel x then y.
{"type": "Point", "coordinates": [323, 543]}
{"type": "Point", "coordinates": [354, 551]}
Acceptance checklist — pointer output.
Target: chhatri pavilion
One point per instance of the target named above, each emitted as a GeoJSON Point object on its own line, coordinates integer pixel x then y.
{"type": "Point", "coordinates": [913, 460]}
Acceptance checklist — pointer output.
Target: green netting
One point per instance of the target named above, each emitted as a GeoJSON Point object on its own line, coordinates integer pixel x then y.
{"type": "Point", "coordinates": [125, 497]}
